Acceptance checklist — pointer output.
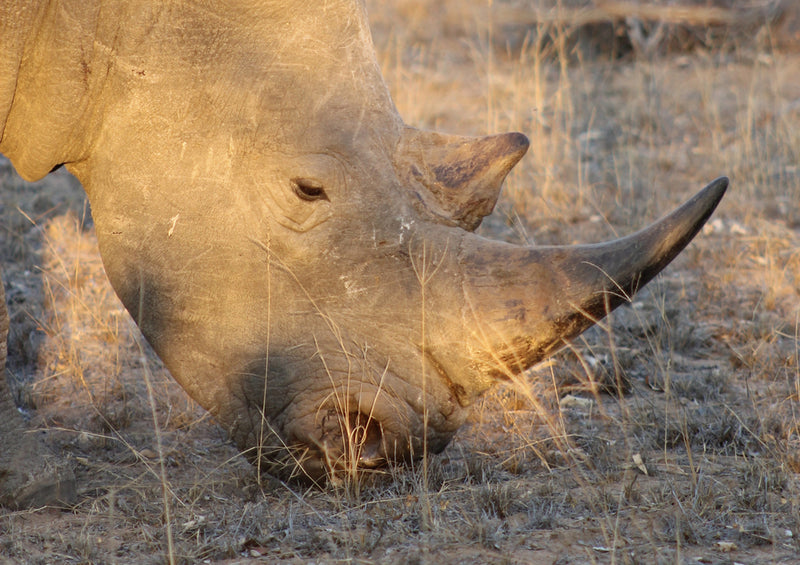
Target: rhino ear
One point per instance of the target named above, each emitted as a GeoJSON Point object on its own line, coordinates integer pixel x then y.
{"type": "Point", "coordinates": [463, 175]}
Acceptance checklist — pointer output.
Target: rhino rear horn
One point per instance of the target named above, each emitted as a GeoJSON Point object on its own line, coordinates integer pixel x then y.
{"type": "Point", "coordinates": [463, 174]}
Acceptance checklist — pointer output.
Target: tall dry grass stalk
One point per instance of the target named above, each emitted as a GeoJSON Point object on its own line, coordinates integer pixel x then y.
{"type": "Point", "coordinates": [166, 491]}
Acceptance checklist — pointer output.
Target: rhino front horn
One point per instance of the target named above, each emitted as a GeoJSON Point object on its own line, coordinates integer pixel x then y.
{"type": "Point", "coordinates": [522, 303]}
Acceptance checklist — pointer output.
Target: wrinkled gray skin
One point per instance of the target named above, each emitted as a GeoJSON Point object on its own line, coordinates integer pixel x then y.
{"type": "Point", "coordinates": [301, 260]}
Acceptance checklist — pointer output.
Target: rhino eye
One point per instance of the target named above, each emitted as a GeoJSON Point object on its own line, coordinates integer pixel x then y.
{"type": "Point", "coordinates": [309, 189]}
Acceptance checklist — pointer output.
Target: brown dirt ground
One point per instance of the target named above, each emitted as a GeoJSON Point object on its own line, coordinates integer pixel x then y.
{"type": "Point", "coordinates": [671, 434]}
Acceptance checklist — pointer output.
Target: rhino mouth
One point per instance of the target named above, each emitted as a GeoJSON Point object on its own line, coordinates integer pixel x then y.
{"type": "Point", "coordinates": [369, 429]}
{"type": "Point", "coordinates": [358, 443]}
{"type": "Point", "coordinates": [341, 445]}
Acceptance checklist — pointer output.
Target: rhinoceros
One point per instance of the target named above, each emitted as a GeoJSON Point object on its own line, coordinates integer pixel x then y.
{"type": "Point", "coordinates": [303, 262]}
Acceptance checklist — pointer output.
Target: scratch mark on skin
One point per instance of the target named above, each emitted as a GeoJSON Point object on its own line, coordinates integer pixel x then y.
{"type": "Point", "coordinates": [405, 227]}
{"type": "Point", "coordinates": [172, 226]}
{"type": "Point", "coordinates": [351, 287]}
{"type": "Point", "coordinates": [210, 162]}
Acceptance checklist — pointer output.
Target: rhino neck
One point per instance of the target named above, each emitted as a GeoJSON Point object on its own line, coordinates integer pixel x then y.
{"type": "Point", "coordinates": [49, 76]}
{"type": "Point", "coordinates": [18, 21]}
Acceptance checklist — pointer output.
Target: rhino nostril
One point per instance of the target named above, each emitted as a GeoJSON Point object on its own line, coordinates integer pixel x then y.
{"type": "Point", "coordinates": [365, 441]}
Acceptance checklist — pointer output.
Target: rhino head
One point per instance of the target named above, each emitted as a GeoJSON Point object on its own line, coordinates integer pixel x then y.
{"type": "Point", "coordinates": [302, 261]}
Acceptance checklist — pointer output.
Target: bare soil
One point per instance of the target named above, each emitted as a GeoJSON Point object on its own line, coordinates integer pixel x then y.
{"type": "Point", "coordinates": [668, 434]}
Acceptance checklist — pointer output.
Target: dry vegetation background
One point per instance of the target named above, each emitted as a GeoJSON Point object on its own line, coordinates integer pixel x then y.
{"type": "Point", "coordinates": [670, 434]}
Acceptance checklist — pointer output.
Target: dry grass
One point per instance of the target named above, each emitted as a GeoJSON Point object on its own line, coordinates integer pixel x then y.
{"type": "Point", "coordinates": [669, 433]}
